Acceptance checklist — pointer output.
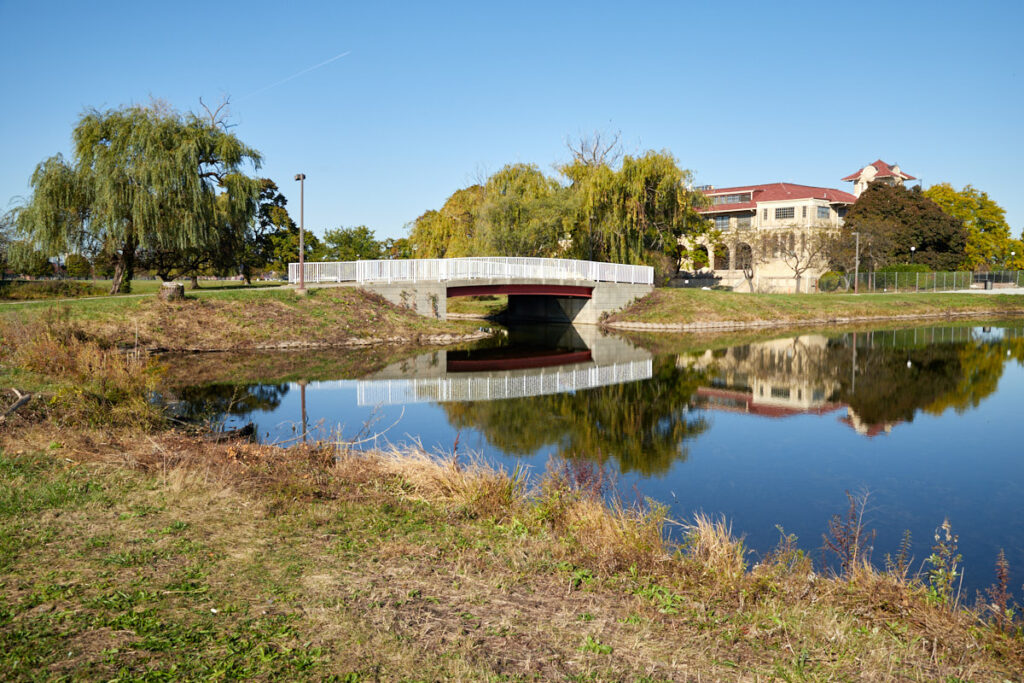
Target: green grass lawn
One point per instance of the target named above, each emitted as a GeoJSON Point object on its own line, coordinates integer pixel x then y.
{"type": "Point", "coordinates": [482, 306]}
{"type": "Point", "coordinates": [681, 306]}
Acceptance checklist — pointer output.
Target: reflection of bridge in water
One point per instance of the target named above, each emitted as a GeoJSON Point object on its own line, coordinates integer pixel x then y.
{"type": "Point", "coordinates": [537, 362]}
{"type": "Point", "coordinates": [492, 386]}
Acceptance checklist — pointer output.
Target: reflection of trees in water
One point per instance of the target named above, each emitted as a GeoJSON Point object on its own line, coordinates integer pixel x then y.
{"type": "Point", "coordinates": [212, 401]}
{"type": "Point", "coordinates": [939, 377]}
{"type": "Point", "coordinates": [643, 426]}
{"type": "Point", "coordinates": [981, 369]}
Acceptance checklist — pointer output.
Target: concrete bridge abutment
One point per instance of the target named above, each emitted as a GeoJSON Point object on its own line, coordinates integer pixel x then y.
{"type": "Point", "coordinates": [430, 298]}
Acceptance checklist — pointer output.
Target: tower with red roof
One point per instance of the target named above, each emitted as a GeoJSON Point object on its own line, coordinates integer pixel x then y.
{"type": "Point", "coordinates": [878, 172]}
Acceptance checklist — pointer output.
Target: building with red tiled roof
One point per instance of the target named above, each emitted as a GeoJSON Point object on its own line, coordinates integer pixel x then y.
{"type": "Point", "coordinates": [769, 236]}
{"type": "Point", "coordinates": [878, 171]}
{"type": "Point", "coordinates": [765, 230]}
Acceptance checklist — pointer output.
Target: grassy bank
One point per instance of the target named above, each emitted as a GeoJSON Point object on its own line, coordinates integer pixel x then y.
{"type": "Point", "coordinates": [130, 551]}
{"type": "Point", "coordinates": [36, 290]}
{"type": "Point", "coordinates": [242, 319]}
{"type": "Point", "coordinates": [169, 557]}
{"type": "Point", "coordinates": [477, 306]}
{"type": "Point", "coordinates": [687, 307]}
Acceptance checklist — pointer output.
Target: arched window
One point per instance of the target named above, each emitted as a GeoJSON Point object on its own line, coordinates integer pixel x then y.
{"type": "Point", "coordinates": [721, 257]}
{"type": "Point", "coordinates": [744, 256]}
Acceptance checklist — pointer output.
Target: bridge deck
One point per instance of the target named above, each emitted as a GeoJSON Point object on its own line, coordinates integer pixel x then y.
{"type": "Point", "coordinates": [471, 268]}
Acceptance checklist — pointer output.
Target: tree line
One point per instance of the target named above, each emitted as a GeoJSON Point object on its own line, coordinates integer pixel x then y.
{"type": "Point", "coordinates": [179, 195]}
{"type": "Point", "coordinates": [940, 228]}
{"type": "Point", "coordinates": [602, 206]}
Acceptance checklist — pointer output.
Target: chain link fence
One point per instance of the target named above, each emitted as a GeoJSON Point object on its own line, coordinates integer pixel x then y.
{"type": "Point", "coordinates": [923, 282]}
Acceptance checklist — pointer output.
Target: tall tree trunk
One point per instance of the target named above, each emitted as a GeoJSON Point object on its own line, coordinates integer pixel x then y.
{"type": "Point", "coordinates": [195, 282]}
{"type": "Point", "coordinates": [124, 271]}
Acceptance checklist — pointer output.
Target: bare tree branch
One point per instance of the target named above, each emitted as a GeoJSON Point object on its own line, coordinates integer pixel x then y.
{"type": "Point", "coordinates": [219, 116]}
{"type": "Point", "coordinates": [597, 148]}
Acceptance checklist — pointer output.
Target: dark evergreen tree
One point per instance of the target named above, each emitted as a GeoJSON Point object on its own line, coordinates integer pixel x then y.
{"type": "Point", "coordinates": [891, 219]}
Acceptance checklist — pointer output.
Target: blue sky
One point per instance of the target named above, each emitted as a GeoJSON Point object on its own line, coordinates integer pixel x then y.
{"type": "Point", "coordinates": [432, 95]}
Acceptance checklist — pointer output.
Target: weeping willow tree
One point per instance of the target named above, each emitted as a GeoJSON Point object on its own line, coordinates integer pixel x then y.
{"type": "Point", "coordinates": [524, 213]}
{"type": "Point", "coordinates": [449, 232]}
{"type": "Point", "coordinates": [631, 211]}
{"type": "Point", "coordinates": [144, 180]}
{"type": "Point", "coordinates": [636, 213]}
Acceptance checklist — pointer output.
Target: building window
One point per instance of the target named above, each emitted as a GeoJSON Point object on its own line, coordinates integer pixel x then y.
{"type": "Point", "coordinates": [780, 392]}
{"type": "Point", "coordinates": [804, 211]}
{"type": "Point", "coordinates": [721, 222]}
{"type": "Point", "coordinates": [731, 198]}
{"type": "Point", "coordinates": [743, 222]}
{"type": "Point", "coordinates": [765, 214]}
{"type": "Point", "coordinates": [785, 212]}
{"type": "Point", "coordinates": [841, 212]}
{"type": "Point", "coordinates": [823, 213]}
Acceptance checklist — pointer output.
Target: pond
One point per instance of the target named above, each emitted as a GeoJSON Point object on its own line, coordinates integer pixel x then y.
{"type": "Point", "coordinates": [769, 432]}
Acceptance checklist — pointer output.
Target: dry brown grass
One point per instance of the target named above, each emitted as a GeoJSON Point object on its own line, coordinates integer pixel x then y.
{"type": "Point", "coordinates": [87, 381]}
{"type": "Point", "coordinates": [249, 319]}
{"type": "Point", "coordinates": [407, 564]}
{"type": "Point", "coordinates": [710, 541]}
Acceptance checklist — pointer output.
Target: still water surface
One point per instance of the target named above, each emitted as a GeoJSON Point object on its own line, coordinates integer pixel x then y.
{"type": "Point", "coordinates": [770, 433]}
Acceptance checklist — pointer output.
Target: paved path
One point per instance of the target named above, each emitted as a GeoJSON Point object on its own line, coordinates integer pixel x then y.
{"type": "Point", "coordinates": [997, 290]}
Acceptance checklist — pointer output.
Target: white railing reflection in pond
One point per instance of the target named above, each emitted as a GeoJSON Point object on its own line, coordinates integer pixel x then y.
{"type": "Point", "coordinates": [496, 386]}
{"type": "Point", "coordinates": [471, 268]}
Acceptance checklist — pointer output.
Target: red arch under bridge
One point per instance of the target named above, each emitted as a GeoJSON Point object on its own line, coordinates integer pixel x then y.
{"type": "Point", "coordinates": [521, 290]}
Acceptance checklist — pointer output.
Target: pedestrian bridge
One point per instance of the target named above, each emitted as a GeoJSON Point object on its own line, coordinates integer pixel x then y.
{"type": "Point", "coordinates": [538, 288]}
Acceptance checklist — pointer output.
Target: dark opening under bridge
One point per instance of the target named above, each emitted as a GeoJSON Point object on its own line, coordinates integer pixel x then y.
{"type": "Point", "coordinates": [537, 288]}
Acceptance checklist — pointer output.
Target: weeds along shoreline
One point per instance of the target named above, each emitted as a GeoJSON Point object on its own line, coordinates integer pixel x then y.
{"type": "Point", "coordinates": [536, 551]}
{"type": "Point", "coordinates": [563, 529]}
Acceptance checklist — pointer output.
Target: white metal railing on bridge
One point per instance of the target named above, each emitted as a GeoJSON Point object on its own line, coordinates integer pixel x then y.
{"type": "Point", "coordinates": [471, 268]}
{"type": "Point", "coordinates": [335, 271]}
{"type": "Point", "coordinates": [493, 386]}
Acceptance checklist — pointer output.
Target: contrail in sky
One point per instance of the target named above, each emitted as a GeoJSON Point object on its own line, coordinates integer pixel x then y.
{"type": "Point", "coordinates": [296, 75]}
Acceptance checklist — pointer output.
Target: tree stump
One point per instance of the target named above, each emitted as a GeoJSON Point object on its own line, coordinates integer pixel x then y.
{"type": "Point", "coordinates": [172, 291]}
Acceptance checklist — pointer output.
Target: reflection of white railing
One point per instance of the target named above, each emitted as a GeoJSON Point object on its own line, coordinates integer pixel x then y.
{"type": "Point", "coordinates": [418, 270]}
{"type": "Point", "coordinates": [495, 386]}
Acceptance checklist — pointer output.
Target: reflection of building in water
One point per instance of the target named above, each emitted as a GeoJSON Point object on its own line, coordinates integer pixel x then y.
{"type": "Point", "coordinates": [537, 361]}
{"type": "Point", "coordinates": [864, 428]}
{"type": "Point", "coordinates": [774, 379]}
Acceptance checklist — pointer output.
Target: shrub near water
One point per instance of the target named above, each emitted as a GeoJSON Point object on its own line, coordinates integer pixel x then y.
{"type": "Point", "coordinates": [93, 383]}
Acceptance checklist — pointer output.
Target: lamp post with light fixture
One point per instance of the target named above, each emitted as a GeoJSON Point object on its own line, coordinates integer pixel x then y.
{"type": "Point", "coordinates": [301, 177]}
{"type": "Point", "coordinates": [912, 250]}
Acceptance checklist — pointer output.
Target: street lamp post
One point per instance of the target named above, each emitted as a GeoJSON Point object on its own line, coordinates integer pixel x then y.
{"type": "Point", "coordinates": [301, 177]}
{"type": "Point", "coordinates": [912, 250]}
{"type": "Point", "coordinates": [856, 265]}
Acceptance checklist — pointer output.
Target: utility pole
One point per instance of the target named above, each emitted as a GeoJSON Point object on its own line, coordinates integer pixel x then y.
{"type": "Point", "coordinates": [301, 177]}
{"type": "Point", "coordinates": [856, 265]}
